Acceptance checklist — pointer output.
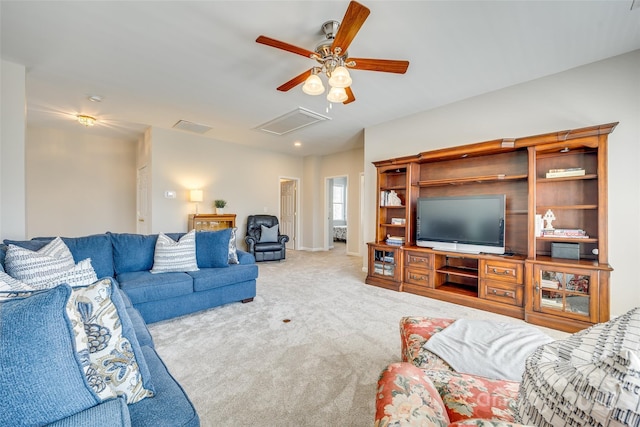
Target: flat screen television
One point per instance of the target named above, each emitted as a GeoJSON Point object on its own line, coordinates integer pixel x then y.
{"type": "Point", "coordinates": [469, 224]}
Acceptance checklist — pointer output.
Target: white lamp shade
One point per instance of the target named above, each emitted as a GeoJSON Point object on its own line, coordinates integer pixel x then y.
{"type": "Point", "coordinates": [340, 77]}
{"type": "Point", "coordinates": [195, 195]}
{"type": "Point", "coordinates": [337, 94]}
{"type": "Point", "coordinates": [313, 85]}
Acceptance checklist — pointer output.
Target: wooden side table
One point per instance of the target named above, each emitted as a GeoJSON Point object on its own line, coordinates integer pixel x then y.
{"type": "Point", "coordinates": [211, 222]}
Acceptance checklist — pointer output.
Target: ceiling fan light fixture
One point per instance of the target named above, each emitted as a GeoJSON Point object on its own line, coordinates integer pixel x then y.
{"type": "Point", "coordinates": [86, 120]}
{"type": "Point", "coordinates": [337, 95]}
{"type": "Point", "coordinates": [313, 85]}
{"type": "Point", "coordinates": [340, 77]}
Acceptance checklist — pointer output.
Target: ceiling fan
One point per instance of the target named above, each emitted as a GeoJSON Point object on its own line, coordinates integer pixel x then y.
{"type": "Point", "coordinates": [333, 58]}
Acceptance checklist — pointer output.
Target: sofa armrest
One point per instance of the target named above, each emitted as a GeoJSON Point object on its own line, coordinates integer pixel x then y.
{"type": "Point", "coordinates": [245, 257]}
{"type": "Point", "coordinates": [110, 413]}
{"type": "Point", "coordinates": [406, 396]}
{"type": "Point", "coordinates": [415, 331]}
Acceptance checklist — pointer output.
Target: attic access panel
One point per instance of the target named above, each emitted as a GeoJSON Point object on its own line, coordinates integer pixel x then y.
{"type": "Point", "coordinates": [294, 120]}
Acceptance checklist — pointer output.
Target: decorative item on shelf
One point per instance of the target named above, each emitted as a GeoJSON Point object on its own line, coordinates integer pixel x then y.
{"type": "Point", "coordinates": [559, 173]}
{"type": "Point", "coordinates": [395, 240]}
{"type": "Point", "coordinates": [573, 233]}
{"type": "Point", "coordinates": [390, 198]}
{"type": "Point", "coordinates": [219, 205]}
{"type": "Point", "coordinates": [548, 217]}
{"type": "Point", "coordinates": [539, 225]}
{"type": "Point", "coordinates": [196, 196]}
{"type": "Point", "coordinates": [398, 221]}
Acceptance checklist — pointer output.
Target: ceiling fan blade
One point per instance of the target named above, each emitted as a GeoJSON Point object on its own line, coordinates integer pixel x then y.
{"type": "Point", "coordinates": [353, 19]}
{"type": "Point", "coordinates": [350, 96]}
{"type": "Point", "coordinates": [294, 81]}
{"type": "Point", "coordinates": [385, 65]}
{"type": "Point", "coordinates": [284, 46]}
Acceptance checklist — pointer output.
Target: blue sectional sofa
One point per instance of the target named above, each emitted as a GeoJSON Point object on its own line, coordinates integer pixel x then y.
{"type": "Point", "coordinates": [148, 297]}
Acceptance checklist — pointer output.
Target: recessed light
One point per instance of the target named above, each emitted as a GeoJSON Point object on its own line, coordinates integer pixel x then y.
{"type": "Point", "coordinates": [298, 144]}
{"type": "Point", "coordinates": [95, 98]}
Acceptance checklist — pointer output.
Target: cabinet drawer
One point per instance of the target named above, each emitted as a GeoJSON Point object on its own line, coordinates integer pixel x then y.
{"type": "Point", "coordinates": [418, 259]}
{"type": "Point", "coordinates": [418, 277]}
{"type": "Point", "coordinates": [503, 292]}
{"type": "Point", "coordinates": [504, 271]}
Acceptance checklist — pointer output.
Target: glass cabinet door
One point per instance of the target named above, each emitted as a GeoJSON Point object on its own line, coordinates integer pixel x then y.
{"type": "Point", "coordinates": [384, 263]}
{"type": "Point", "coordinates": [569, 292]}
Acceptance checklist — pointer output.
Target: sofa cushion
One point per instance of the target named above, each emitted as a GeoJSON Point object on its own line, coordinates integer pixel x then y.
{"type": "Point", "coordinates": [593, 375]}
{"type": "Point", "coordinates": [132, 252]}
{"type": "Point", "coordinates": [114, 352]}
{"type": "Point", "coordinates": [170, 406]}
{"type": "Point", "coordinates": [49, 266]}
{"type": "Point", "coordinates": [470, 396]}
{"type": "Point", "coordinates": [210, 278]}
{"type": "Point", "coordinates": [110, 413]}
{"type": "Point", "coordinates": [143, 286]}
{"type": "Point", "coordinates": [212, 248]}
{"type": "Point", "coordinates": [42, 379]}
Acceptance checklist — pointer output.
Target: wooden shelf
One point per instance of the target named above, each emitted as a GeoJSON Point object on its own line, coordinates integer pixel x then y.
{"type": "Point", "coordinates": [458, 289]}
{"type": "Point", "coordinates": [457, 271]}
{"type": "Point", "coordinates": [560, 207]}
{"type": "Point", "coordinates": [568, 178]}
{"type": "Point", "coordinates": [471, 180]}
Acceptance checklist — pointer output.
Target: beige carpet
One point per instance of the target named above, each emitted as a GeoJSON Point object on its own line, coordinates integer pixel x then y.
{"type": "Point", "coordinates": [306, 352]}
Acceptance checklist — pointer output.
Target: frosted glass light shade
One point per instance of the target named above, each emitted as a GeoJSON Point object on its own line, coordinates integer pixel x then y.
{"type": "Point", "coordinates": [195, 195]}
{"type": "Point", "coordinates": [340, 77]}
{"type": "Point", "coordinates": [337, 94]}
{"type": "Point", "coordinates": [313, 85]}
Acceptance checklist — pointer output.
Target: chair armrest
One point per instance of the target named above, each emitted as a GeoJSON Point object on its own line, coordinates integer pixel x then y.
{"type": "Point", "coordinates": [283, 238]}
{"type": "Point", "coordinates": [405, 396]}
{"type": "Point", "coordinates": [110, 413]}
{"type": "Point", "coordinates": [251, 244]}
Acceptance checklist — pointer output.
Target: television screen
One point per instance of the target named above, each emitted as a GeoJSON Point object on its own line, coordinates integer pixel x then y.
{"type": "Point", "coordinates": [472, 224]}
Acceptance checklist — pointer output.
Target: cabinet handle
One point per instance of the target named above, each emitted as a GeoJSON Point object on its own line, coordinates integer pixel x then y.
{"type": "Point", "coordinates": [505, 272]}
{"type": "Point", "coordinates": [537, 287]}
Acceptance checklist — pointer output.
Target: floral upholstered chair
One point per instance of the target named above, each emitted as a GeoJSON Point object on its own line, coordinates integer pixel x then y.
{"type": "Point", "coordinates": [426, 391]}
{"type": "Point", "coordinates": [589, 378]}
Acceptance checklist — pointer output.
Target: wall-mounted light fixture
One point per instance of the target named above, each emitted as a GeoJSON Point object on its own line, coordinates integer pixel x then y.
{"type": "Point", "coordinates": [86, 120]}
{"type": "Point", "coordinates": [196, 196]}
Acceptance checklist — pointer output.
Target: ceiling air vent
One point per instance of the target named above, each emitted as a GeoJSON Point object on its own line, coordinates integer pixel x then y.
{"type": "Point", "coordinates": [191, 127]}
{"type": "Point", "coordinates": [291, 121]}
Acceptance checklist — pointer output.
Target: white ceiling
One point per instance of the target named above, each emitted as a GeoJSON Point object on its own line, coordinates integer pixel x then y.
{"type": "Point", "coordinates": [157, 62]}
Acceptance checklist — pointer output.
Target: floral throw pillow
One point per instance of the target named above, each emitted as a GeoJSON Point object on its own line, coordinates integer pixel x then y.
{"type": "Point", "coordinates": [233, 249]}
{"type": "Point", "coordinates": [110, 362]}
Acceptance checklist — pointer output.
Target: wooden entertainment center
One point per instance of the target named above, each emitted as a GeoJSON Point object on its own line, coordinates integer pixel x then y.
{"type": "Point", "coordinates": [569, 293]}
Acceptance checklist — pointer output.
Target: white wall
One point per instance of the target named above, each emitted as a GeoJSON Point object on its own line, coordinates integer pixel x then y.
{"type": "Point", "coordinates": [12, 162]}
{"type": "Point", "coordinates": [350, 164]}
{"type": "Point", "coordinates": [602, 92]}
{"type": "Point", "coordinates": [79, 183]}
{"type": "Point", "coordinates": [248, 179]}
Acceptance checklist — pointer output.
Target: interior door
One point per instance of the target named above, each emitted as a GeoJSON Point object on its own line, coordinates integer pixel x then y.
{"type": "Point", "coordinates": [288, 210]}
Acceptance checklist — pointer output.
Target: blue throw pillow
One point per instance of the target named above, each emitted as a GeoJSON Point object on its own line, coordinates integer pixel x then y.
{"type": "Point", "coordinates": [42, 377]}
{"type": "Point", "coordinates": [133, 252]}
{"type": "Point", "coordinates": [212, 248]}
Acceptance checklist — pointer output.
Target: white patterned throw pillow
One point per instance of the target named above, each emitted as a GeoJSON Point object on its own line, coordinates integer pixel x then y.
{"type": "Point", "coordinates": [12, 288]}
{"type": "Point", "coordinates": [48, 267]}
{"type": "Point", "coordinates": [109, 361]}
{"type": "Point", "coordinates": [592, 378]}
{"type": "Point", "coordinates": [175, 256]}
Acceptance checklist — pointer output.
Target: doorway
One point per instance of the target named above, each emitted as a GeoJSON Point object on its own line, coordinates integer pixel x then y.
{"type": "Point", "coordinates": [336, 210]}
{"type": "Point", "coordinates": [289, 210]}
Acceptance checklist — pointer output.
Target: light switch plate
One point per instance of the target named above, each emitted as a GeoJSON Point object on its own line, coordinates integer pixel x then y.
{"type": "Point", "coordinates": [169, 194]}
